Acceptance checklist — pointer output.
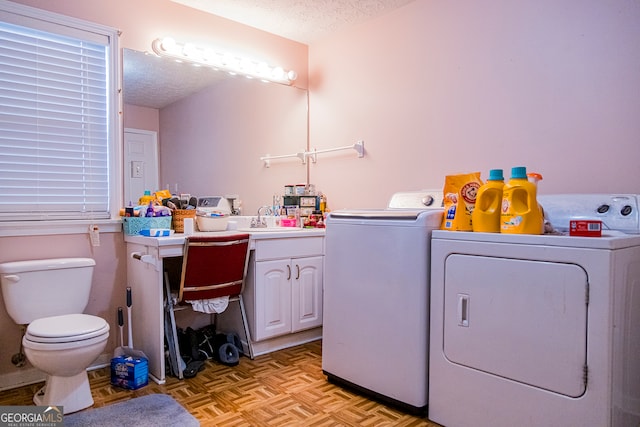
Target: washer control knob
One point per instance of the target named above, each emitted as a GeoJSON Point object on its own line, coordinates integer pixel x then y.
{"type": "Point", "coordinates": [626, 210]}
{"type": "Point", "coordinates": [603, 208]}
{"type": "Point", "coordinates": [427, 200]}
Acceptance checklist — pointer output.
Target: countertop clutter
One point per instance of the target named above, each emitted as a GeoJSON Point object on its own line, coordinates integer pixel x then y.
{"type": "Point", "coordinates": [256, 234]}
{"type": "Point", "coordinates": [162, 214]}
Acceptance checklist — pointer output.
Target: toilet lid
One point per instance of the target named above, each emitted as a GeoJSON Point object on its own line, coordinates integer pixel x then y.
{"type": "Point", "coordinates": [69, 327]}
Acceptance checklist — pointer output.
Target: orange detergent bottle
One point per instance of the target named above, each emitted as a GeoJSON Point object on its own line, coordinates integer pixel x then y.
{"type": "Point", "coordinates": [486, 215]}
{"type": "Point", "coordinates": [521, 213]}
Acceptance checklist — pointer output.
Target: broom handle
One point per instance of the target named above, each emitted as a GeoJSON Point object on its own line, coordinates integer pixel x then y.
{"type": "Point", "coordinates": [129, 329]}
{"type": "Point", "coordinates": [121, 324]}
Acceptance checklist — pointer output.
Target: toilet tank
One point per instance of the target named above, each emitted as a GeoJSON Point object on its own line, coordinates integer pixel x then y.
{"type": "Point", "coordinates": [47, 287]}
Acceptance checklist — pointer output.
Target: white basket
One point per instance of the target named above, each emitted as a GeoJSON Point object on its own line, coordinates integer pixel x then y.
{"type": "Point", "coordinates": [212, 223]}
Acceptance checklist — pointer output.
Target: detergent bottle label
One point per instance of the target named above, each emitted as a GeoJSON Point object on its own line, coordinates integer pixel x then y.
{"type": "Point", "coordinates": [521, 213]}
{"type": "Point", "coordinates": [487, 213]}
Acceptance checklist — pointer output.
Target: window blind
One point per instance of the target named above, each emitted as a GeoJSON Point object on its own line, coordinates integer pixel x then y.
{"type": "Point", "coordinates": [54, 125]}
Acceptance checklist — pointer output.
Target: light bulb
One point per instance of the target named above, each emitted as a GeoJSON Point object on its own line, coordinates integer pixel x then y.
{"type": "Point", "coordinates": [247, 66]}
{"type": "Point", "coordinates": [209, 55]}
{"type": "Point", "coordinates": [278, 73]}
{"type": "Point", "coordinates": [190, 50]}
{"type": "Point", "coordinates": [263, 68]}
{"type": "Point", "coordinates": [168, 44]}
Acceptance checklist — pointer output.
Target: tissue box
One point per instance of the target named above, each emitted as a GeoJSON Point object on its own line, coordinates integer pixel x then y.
{"type": "Point", "coordinates": [129, 372]}
{"type": "Point", "coordinates": [134, 224]}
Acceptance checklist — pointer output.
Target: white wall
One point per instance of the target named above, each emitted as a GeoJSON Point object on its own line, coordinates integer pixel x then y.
{"type": "Point", "coordinates": [140, 22]}
{"type": "Point", "coordinates": [443, 87]}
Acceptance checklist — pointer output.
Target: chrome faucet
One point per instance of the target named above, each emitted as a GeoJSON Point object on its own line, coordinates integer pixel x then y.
{"type": "Point", "coordinates": [261, 222]}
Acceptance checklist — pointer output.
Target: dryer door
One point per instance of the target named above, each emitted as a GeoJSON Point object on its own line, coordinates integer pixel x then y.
{"type": "Point", "coordinates": [521, 320]}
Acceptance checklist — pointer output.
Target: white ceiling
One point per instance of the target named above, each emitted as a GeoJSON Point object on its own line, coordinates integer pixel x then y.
{"type": "Point", "coordinates": [151, 82]}
{"type": "Point", "coordinates": [304, 21]}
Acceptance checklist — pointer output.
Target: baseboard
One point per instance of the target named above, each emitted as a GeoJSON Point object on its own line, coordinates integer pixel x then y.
{"type": "Point", "coordinates": [30, 375]}
{"type": "Point", "coordinates": [286, 341]}
{"type": "Point", "coordinates": [25, 376]}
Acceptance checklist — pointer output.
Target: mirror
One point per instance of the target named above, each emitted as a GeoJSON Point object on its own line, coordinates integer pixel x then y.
{"type": "Point", "coordinates": [154, 82]}
{"type": "Point", "coordinates": [214, 127]}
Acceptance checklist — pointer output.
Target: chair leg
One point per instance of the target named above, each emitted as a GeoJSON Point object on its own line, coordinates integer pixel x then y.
{"type": "Point", "coordinates": [175, 358]}
{"type": "Point", "coordinates": [245, 324]}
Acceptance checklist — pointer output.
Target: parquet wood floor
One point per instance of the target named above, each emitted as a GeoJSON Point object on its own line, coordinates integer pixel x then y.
{"type": "Point", "coordinates": [283, 388]}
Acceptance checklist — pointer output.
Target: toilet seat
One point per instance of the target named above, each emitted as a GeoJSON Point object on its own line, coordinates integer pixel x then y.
{"type": "Point", "coordinates": [66, 328]}
{"type": "Point", "coordinates": [67, 331]}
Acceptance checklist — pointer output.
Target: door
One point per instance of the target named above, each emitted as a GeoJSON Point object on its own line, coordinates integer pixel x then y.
{"type": "Point", "coordinates": [273, 298]}
{"type": "Point", "coordinates": [306, 293]}
{"type": "Point", "coordinates": [140, 164]}
{"type": "Point", "coordinates": [521, 320]}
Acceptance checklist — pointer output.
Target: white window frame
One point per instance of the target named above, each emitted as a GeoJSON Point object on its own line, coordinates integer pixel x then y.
{"type": "Point", "coordinates": [48, 21]}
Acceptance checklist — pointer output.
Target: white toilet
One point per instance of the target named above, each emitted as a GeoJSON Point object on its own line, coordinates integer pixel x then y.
{"type": "Point", "coordinates": [49, 296]}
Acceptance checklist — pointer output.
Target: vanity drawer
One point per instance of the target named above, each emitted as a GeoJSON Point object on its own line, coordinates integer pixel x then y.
{"type": "Point", "coordinates": [266, 249]}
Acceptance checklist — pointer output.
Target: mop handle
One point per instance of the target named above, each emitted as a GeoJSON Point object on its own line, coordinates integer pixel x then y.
{"type": "Point", "coordinates": [129, 304]}
{"type": "Point", "coordinates": [121, 324]}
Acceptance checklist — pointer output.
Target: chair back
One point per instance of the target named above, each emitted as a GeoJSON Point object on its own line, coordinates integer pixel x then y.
{"type": "Point", "coordinates": [213, 266]}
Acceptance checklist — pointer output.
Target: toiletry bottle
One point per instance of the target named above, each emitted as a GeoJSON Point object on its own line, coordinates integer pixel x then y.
{"type": "Point", "coordinates": [146, 198]}
{"type": "Point", "coordinates": [323, 203]}
{"type": "Point", "coordinates": [521, 213]}
{"type": "Point", "coordinates": [486, 214]}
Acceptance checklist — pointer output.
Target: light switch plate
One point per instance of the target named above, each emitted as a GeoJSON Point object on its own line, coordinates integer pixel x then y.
{"type": "Point", "coordinates": [137, 169]}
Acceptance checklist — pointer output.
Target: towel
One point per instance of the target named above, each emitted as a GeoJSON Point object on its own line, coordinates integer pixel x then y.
{"type": "Point", "coordinates": [213, 305]}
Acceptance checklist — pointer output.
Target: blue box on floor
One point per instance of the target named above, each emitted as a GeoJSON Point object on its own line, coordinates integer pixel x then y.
{"type": "Point", "coordinates": [129, 372]}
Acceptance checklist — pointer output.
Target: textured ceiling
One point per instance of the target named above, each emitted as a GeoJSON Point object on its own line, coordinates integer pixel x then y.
{"type": "Point", "coordinates": [304, 21]}
{"type": "Point", "coordinates": [152, 82]}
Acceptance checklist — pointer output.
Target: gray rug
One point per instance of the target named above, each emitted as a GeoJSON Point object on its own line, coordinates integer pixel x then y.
{"type": "Point", "coordinates": [152, 410]}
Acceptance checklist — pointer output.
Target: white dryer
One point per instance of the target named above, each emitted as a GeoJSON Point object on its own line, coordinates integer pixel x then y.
{"type": "Point", "coordinates": [533, 330]}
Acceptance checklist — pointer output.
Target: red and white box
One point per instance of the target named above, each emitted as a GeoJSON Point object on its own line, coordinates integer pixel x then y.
{"type": "Point", "coordinates": [585, 228]}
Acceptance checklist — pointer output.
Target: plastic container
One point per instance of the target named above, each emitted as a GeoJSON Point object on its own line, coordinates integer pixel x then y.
{"type": "Point", "coordinates": [212, 223]}
{"type": "Point", "coordinates": [486, 214]}
{"type": "Point", "coordinates": [134, 225]}
{"type": "Point", "coordinates": [288, 222]}
{"type": "Point", "coordinates": [521, 213]}
{"type": "Point", "coordinates": [146, 199]}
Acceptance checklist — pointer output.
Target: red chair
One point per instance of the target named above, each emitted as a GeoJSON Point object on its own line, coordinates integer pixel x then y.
{"type": "Point", "coordinates": [212, 267]}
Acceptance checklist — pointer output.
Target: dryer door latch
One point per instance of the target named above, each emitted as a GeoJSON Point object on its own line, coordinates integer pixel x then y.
{"type": "Point", "coordinates": [463, 310]}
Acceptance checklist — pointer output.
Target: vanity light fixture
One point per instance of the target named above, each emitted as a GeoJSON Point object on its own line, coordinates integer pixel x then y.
{"type": "Point", "coordinates": [234, 65]}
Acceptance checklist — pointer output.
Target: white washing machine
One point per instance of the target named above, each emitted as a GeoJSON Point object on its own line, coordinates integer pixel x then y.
{"type": "Point", "coordinates": [376, 298]}
{"type": "Point", "coordinates": [543, 330]}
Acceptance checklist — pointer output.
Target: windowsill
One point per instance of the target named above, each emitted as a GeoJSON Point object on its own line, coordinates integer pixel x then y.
{"type": "Point", "coordinates": [43, 228]}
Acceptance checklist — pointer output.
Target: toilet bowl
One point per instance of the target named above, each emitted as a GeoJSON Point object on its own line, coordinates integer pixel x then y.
{"type": "Point", "coordinates": [63, 347]}
{"type": "Point", "coordinates": [49, 296]}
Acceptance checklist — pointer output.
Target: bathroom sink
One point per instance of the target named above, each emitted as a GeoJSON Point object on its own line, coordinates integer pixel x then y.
{"type": "Point", "coordinates": [268, 229]}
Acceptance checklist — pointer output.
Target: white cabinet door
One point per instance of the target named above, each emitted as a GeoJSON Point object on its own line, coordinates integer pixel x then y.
{"type": "Point", "coordinates": [272, 298]}
{"type": "Point", "coordinates": [306, 292]}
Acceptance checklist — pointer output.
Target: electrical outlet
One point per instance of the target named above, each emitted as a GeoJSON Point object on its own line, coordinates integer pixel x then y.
{"type": "Point", "coordinates": [94, 235]}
